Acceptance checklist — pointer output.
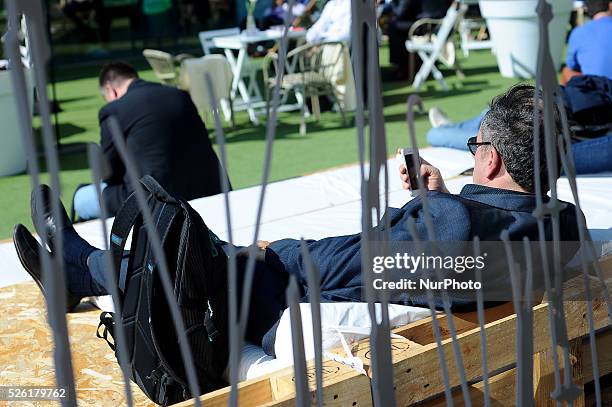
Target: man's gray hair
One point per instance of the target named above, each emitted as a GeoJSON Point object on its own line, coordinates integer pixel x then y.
{"type": "Point", "coordinates": [508, 125]}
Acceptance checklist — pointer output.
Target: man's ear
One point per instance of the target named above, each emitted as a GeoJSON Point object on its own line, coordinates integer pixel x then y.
{"type": "Point", "coordinates": [494, 163]}
{"type": "Point", "coordinates": [111, 91]}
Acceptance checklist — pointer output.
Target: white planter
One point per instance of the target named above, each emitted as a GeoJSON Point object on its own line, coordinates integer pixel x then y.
{"type": "Point", "coordinates": [514, 29]}
{"type": "Point", "coordinates": [12, 151]}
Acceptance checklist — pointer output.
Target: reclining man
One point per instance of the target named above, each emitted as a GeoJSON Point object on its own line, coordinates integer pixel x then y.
{"type": "Point", "coordinates": [500, 199]}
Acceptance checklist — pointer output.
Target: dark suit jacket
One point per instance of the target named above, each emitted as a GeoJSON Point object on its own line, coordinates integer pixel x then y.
{"type": "Point", "coordinates": [412, 10]}
{"type": "Point", "coordinates": [168, 140]}
{"type": "Point", "coordinates": [477, 211]}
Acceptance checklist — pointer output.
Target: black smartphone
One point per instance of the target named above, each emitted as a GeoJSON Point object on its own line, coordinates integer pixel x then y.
{"type": "Point", "coordinates": [408, 154]}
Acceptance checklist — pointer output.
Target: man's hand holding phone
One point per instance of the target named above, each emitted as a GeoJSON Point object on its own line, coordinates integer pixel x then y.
{"type": "Point", "coordinates": [432, 179]}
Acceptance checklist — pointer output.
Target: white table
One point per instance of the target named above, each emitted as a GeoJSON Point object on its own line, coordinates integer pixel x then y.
{"type": "Point", "coordinates": [251, 95]}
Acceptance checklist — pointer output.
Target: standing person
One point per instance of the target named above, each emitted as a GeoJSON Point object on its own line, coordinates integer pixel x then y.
{"type": "Point", "coordinates": [589, 49]}
{"type": "Point", "coordinates": [274, 14]}
{"type": "Point", "coordinates": [164, 134]}
{"type": "Point", "coordinates": [260, 10]}
{"type": "Point", "coordinates": [241, 12]}
{"type": "Point", "coordinates": [160, 21]}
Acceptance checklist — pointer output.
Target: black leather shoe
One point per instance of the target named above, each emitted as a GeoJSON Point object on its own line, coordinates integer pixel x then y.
{"type": "Point", "coordinates": [40, 204]}
{"type": "Point", "coordinates": [28, 251]}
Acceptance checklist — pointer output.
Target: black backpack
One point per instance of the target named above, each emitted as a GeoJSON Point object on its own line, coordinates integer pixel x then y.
{"type": "Point", "coordinates": [197, 265]}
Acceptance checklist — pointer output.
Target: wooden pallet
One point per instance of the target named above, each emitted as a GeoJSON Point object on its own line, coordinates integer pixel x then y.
{"type": "Point", "coordinates": [416, 365]}
{"type": "Point", "coordinates": [26, 358]}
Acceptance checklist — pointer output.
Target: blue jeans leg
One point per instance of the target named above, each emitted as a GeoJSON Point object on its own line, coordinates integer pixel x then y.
{"type": "Point", "coordinates": [91, 280]}
{"type": "Point", "coordinates": [85, 282]}
{"type": "Point", "coordinates": [593, 156]}
{"type": "Point", "coordinates": [86, 202]}
{"type": "Point", "coordinates": [455, 135]}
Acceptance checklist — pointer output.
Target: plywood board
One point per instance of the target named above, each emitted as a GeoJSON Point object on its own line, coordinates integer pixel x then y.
{"type": "Point", "coordinates": [26, 350]}
{"type": "Point", "coordinates": [26, 355]}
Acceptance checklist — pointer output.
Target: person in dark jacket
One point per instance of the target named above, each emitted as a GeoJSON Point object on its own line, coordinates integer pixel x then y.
{"type": "Point", "coordinates": [501, 199]}
{"type": "Point", "coordinates": [164, 134]}
{"type": "Point", "coordinates": [406, 13]}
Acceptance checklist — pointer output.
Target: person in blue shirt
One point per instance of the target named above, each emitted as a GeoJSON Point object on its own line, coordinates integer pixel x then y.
{"type": "Point", "coordinates": [589, 49]}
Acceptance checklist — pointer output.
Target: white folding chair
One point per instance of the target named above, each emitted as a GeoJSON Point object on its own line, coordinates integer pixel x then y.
{"type": "Point", "coordinates": [193, 79]}
{"type": "Point", "coordinates": [318, 70]}
{"type": "Point", "coordinates": [436, 46]}
{"type": "Point", "coordinates": [466, 26]}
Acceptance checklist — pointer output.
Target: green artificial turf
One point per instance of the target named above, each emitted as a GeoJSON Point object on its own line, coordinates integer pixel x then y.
{"type": "Point", "coordinates": [327, 143]}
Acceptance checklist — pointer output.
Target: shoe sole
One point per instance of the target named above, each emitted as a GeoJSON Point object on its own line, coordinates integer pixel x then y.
{"type": "Point", "coordinates": [71, 302]}
{"type": "Point", "coordinates": [43, 191]}
{"type": "Point", "coordinates": [25, 266]}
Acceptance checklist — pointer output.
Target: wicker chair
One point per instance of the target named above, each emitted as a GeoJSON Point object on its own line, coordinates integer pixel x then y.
{"type": "Point", "coordinates": [164, 65]}
{"type": "Point", "coordinates": [309, 73]}
{"type": "Point", "coordinates": [193, 79]}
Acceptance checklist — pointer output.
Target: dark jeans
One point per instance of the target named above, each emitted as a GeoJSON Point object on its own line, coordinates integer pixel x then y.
{"type": "Point", "coordinates": [593, 156]}
{"type": "Point", "coordinates": [398, 34]}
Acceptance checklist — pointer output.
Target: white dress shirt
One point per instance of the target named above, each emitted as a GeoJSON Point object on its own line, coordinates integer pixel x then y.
{"type": "Point", "coordinates": [334, 24]}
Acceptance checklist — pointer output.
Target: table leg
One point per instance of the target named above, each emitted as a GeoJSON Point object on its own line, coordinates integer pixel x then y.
{"type": "Point", "coordinates": [238, 85]}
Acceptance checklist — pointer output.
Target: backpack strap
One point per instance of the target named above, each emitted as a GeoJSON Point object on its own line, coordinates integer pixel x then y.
{"type": "Point", "coordinates": [165, 216]}
{"type": "Point", "coordinates": [129, 213]}
{"type": "Point", "coordinates": [169, 388]}
{"type": "Point", "coordinates": [156, 190]}
{"type": "Point", "coordinates": [124, 221]}
{"type": "Point", "coordinates": [107, 323]}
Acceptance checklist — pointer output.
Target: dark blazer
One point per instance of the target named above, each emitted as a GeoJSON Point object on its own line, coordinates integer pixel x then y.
{"type": "Point", "coordinates": [477, 211]}
{"type": "Point", "coordinates": [168, 140]}
{"type": "Point", "coordinates": [412, 10]}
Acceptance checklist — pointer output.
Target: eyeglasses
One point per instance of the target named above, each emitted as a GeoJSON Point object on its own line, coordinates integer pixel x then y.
{"type": "Point", "coordinates": [473, 144]}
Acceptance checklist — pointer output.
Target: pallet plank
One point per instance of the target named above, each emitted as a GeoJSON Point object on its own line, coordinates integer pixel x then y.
{"type": "Point", "coordinates": [416, 365]}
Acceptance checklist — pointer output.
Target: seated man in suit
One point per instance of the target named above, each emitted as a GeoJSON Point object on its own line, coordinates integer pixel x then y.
{"type": "Point", "coordinates": [163, 132]}
{"type": "Point", "coordinates": [502, 198]}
